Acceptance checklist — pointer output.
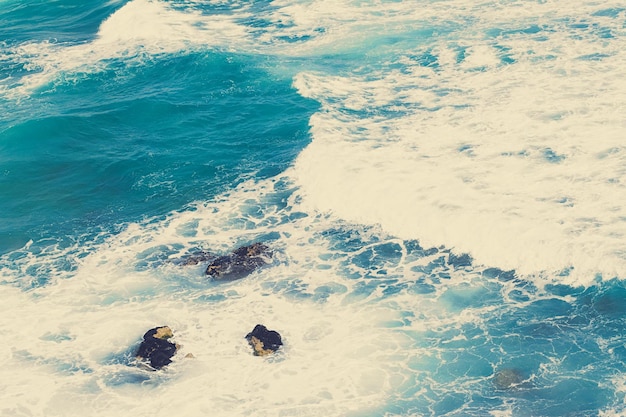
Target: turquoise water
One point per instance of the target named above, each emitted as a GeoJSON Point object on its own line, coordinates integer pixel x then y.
{"type": "Point", "coordinates": [441, 183]}
{"type": "Point", "coordinates": [106, 150]}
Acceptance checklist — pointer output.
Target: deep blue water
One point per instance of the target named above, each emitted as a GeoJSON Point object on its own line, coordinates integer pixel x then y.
{"type": "Point", "coordinates": [121, 150]}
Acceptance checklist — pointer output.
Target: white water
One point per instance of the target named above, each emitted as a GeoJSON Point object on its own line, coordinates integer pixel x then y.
{"type": "Point", "coordinates": [509, 148]}
{"type": "Point", "coordinates": [68, 339]}
{"type": "Point", "coordinates": [521, 165]}
{"type": "Point", "coordinates": [140, 31]}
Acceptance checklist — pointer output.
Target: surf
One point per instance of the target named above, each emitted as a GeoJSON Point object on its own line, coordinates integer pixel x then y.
{"type": "Point", "coordinates": [440, 187]}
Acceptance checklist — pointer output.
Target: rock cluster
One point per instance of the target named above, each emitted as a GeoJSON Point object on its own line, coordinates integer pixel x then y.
{"type": "Point", "coordinates": [240, 263]}
{"type": "Point", "coordinates": [157, 350]}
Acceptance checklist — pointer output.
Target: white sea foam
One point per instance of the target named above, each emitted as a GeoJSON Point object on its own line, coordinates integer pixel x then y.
{"type": "Point", "coordinates": [519, 164]}
{"type": "Point", "coordinates": [349, 346]}
{"type": "Point", "coordinates": [74, 333]}
{"type": "Point", "coordinates": [138, 32]}
{"type": "Point", "coordinates": [66, 343]}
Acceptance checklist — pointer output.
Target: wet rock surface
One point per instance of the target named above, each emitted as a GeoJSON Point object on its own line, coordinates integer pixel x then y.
{"type": "Point", "coordinates": [263, 341]}
{"type": "Point", "coordinates": [240, 263]}
{"type": "Point", "coordinates": [156, 349]}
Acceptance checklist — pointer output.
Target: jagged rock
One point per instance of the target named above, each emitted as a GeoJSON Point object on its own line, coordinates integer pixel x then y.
{"type": "Point", "coordinates": [155, 347]}
{"type": "Point", "coordinates": [263, 341]}
{"type": "Point", "coordinates": [507, 378]}
{"type": "Point", "coordinates": [239, 263]}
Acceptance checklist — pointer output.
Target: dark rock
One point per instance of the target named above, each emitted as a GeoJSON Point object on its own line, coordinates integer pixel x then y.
{"type": "Point", "coordinates": [263, 341]}
{"type": "Point", "coordinates": [156, 348]}
{"type": "Point", "coordinates": [239, 264]}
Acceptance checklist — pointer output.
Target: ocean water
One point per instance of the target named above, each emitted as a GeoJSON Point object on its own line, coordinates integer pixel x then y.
{"type": "Point", "coordinates": [442, 182]}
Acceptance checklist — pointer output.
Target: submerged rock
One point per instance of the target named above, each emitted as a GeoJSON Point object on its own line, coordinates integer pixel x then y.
{"type": "Point", "coordinates": [194, 258]}
{"type": "Point", "coordinates": [240, 263]}
{"type": "Point", "coordinates": [155, 347]}
{"type": "Point", "coordinates": [507, 378]}
{"type": "Point", "coordinates": [263, 341]}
